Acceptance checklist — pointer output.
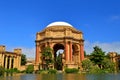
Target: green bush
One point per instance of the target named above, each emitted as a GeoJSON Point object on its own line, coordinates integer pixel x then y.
{"type": "Point", "coordinates": [9, 71]}
{"type": "Point", "coordinates": [23, 71]}
{"type": "Point", "coordinates": [1, 71]}
{"type": "Point", "coordinates": [30, 69]}
{"type": "Point", "coordinates": [14, 70]}
{"type": "Point", "coordinates": [71, 70]}
{"type": "Point", "coordinates": [52, 71]}
{"type": "Point", "coordinates": [96, 70]}
{"type": "Point", "coordinates": [42, 72]}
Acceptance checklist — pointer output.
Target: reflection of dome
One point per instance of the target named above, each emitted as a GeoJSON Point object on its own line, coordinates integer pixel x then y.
{"type": "Point", "coordinates": [59, 23]}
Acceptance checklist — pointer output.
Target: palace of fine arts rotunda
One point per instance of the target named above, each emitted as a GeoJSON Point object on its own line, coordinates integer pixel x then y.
{"type": "Point", "coordinates": [60, 36]}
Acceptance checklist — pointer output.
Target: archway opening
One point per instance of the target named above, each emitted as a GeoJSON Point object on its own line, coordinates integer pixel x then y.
{"type": "Point", "coordinates": [58, 51]}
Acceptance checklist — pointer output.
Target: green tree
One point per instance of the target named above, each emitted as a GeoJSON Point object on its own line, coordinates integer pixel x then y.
{"type": "Point", "coordinates": [108, 65]}
{"type": "Point", "coordinates": [47, 56]}
{"type": "Point", "coordinates": [87, 64]}
{"type": "Point", "coordinates": [1, 71]}
{"type": "Point", "coordinates": [30, 69]}
{"type": "Point", "coordinates": [59, 61]}
{"type": "Point", "coordinates": [23, 59]}
{"type": "Point", "coordinates": [85, 53]}
{"type": "Point", "coordinates": [97, 56]}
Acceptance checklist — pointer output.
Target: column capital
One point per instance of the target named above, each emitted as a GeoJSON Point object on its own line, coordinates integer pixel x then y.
{"type": "Point", "coordinates": [81, 44]}
{"type": "Point", "coordinates": [37, 43]}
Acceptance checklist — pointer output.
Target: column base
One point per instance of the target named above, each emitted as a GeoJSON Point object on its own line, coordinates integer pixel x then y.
{"type": "Point", "coordinates": [71, 65]}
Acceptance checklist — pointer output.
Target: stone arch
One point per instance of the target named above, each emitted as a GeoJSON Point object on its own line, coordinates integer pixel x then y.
{"type": "Point", "coordinates": [57, 47]}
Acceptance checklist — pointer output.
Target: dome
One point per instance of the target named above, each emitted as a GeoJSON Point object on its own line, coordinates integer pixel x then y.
{"type": "Point", "coordinates": [60, 23]}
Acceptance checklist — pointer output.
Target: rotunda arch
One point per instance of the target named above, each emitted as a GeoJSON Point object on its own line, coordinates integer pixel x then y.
{"type": "Point", "coordinates": [58, 50]}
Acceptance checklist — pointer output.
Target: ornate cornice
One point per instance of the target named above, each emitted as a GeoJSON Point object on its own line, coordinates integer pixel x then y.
{"type": "Point", "coordinates": [60, 28]}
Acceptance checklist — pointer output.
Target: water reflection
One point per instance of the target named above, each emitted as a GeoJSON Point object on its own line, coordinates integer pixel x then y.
{"type": "Point", "coordinates": [61, 77]}
{"type": "Point", "coordinates": [75, 77]}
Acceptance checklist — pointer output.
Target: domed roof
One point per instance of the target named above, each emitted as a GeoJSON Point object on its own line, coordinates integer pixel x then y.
{"type": "Point", "coordinates": [59, 23]}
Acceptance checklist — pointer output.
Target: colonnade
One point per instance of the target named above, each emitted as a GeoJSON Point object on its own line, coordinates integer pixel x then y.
{"type": "Point", "coordinates": [68, 51]}
{"type": "Point", "coordinates": [10, 59]}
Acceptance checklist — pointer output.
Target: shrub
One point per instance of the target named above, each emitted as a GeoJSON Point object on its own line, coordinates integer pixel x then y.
{"type": "Point", "coordinates": [96, 70]}
{"type": "Point", "coordinates": [1, 71]}
{"type": "Point", "coordinates": [71, 70]}
{"type": "Point", "coordinates": [52, 71]}
{"type": "Point", "coordinates": [30, 69]}
{"type": "Point", "coordinates": [14, 70]}
{"type": "Point", "coordinates": [9, 71]}
{"type": "Point", "coordinates": [23, 71]}
{"type": "Point", "coordinates": [42, 72]}
{"type": "Point", "coordinates": [87, 64]}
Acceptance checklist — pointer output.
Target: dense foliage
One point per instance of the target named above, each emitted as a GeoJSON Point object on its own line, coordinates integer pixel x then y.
{"type": "Point", "coordinates": [12, 70]}
{"type": "Point", "coordinates": [71, 70]}
{"type": "Point", "coordinates": [97, 56]}
{"type": "Point", "coordinates": [47, 56]}
{"type": "Point", "coordinates": [1, 71]}
{"type": "Point", "coordinates": [87, 64]}
{"type": "Point", "coordinates": [52, 71]}
{"type": "Point", "coordinates": [30, 69]}
{"type": "Point", "coordinates": [23, 59]}
{"type": "Point", "coordinates": [98, 62]}
{"type": "Point", "coordinates": [59, 61]}
{"type": "Point", "coordinates": [108, 65]}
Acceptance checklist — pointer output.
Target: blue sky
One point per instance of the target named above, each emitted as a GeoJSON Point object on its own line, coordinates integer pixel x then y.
{"type": "Point", "coordinates": [99, 20]}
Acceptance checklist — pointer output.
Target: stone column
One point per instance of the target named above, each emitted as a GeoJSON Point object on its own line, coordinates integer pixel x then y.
{"type": "Point", "coordinates": [19, 65]}
{"type": "Point", "coordinates": [37, 55]}
{"type": "Point", "coordinates": [70, 51]}
{"type": "Point", "coordinates": [3, 59]}
{"type": "Point", "coordinates": [81, 52]}
{"type": "Point", "coordinates": [40, 60]}
{"type": "Point", "coordinates": [14, 64]}
{"type": "Point", "coordinates": [10, 62]}
{"type": "Point", "coordinates": [66, 51]}
{"type": "Point", "coordinates": [6, 61]}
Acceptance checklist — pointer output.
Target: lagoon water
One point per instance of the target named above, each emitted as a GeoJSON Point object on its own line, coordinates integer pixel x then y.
{"type": "Point", "coordinates": [62, 77]}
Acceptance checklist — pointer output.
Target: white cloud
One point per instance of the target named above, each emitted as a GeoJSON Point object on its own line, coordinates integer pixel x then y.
{"type": "Point", "coordinates": [114, 18]}
{"type": "Point", "coordinates": [29, 52]}
{"type": "Point", "coordinates": [107, 47]}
